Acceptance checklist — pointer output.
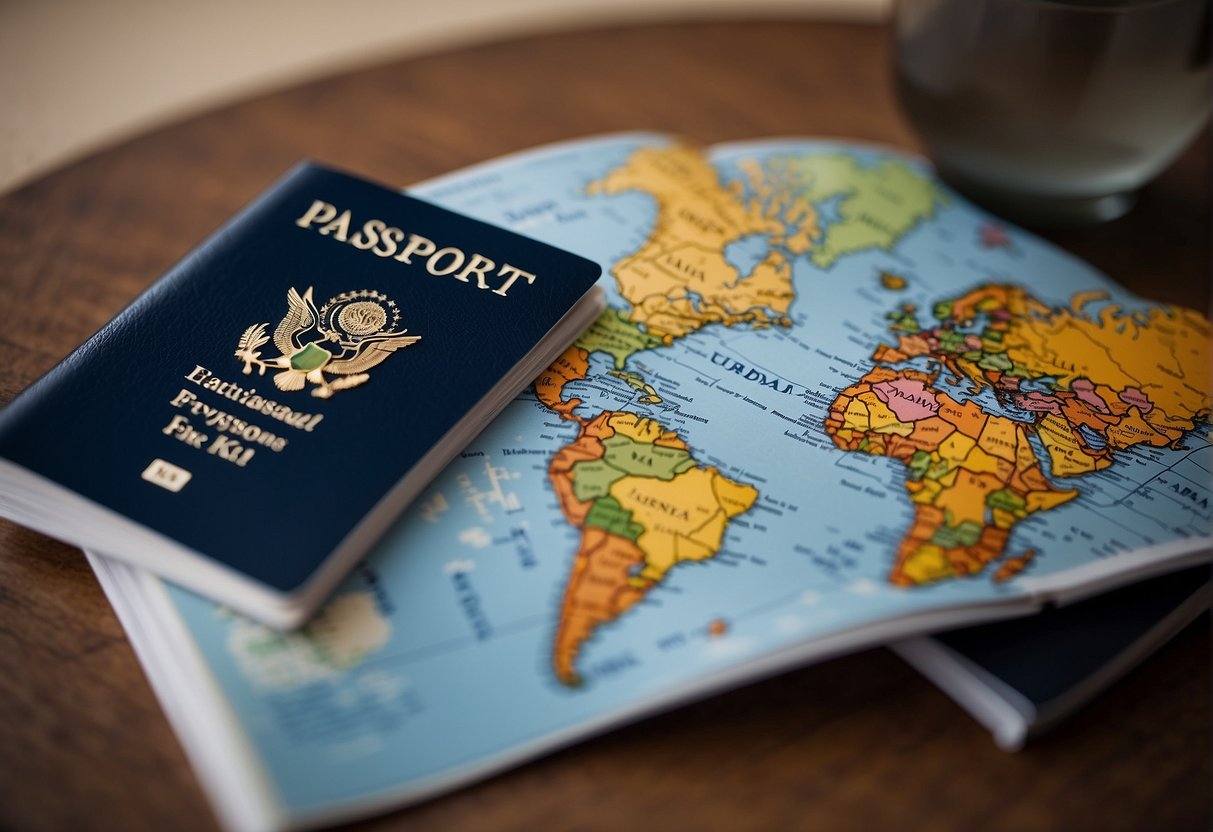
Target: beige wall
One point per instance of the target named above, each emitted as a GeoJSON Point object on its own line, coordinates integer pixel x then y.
{"type": "Point", "coordinates": [76, 75]}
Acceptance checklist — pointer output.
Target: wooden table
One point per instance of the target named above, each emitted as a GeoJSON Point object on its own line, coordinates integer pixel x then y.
{"type": "Point", "coordinates": [860, 742]}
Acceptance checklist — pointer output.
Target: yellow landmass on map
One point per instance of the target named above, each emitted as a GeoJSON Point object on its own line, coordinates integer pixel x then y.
{"type": "Point", "coordinates": [1066, 452]}
{"type": "Point", "coordinates": [1162, 351]}
{"type": "Point", "coordinates": [680, 280]}
{"type": "Point", "coordinates": [1154, 360]}
{"type": "Point", "coordinates": [683, 518]}
{"type": "Point", "coordinates": [1124, 377]}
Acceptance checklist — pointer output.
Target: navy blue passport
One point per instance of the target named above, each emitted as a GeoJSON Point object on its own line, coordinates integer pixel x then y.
{"type": "Point", "coordinates": [253, 422]}
{"type": "Point", "coordinates": [1020, 677]}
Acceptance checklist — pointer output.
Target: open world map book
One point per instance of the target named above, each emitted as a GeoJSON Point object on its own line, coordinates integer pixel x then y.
{"type": "Point", "coordinates": [831, 404]}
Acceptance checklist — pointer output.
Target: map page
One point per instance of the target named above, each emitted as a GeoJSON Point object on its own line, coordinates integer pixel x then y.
{"type": "Point", "coordinates": [831, 403]}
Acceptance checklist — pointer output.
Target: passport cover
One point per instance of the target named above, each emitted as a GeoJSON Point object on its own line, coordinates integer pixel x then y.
{"type": "Point", "coordinates": [264, 395]}
{"type": "Point", "coordinates": [1046, 666]}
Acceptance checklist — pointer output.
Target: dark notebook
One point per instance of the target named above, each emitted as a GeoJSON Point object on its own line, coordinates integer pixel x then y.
{"type": "Point", "coordinates": [1020, 677]}
{"type": "Point", "coordinates": [250, 424]}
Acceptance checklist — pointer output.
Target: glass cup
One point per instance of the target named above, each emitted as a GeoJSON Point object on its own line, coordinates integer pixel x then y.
{"type": "Point", "coordinates": [1053, 112]}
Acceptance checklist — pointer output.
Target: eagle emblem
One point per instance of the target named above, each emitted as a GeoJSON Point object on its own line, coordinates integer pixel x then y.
{"type": "Point", "coordinates": [349, 335]}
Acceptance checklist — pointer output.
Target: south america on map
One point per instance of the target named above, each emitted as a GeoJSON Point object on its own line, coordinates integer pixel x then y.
{"type": "Point", "coordinates": [821, 405]}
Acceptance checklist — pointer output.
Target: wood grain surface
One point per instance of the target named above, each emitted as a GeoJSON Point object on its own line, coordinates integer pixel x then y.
{"type": "Point", "coordinates": [856, 743]}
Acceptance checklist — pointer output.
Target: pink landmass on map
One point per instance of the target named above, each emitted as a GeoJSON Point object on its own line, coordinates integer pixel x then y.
{"type": "Point", "coordinates": [1038, 402]}
{"type": "Point", "coordinates": [1085, 390]}
{"type": "Point", "coordinates": [1136, 398]}
{"type": "Point", "coordinates": [907, 398]}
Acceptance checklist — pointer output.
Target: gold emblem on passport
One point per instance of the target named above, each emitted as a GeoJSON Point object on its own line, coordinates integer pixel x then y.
{"type": "Point", "coordinates": [349, 335]}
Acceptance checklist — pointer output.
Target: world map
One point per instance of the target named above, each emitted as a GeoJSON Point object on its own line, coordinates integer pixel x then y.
{"type": "Point", "coordinates": [643, 505]}
{"type": "Point", "coordinates": [830, 403]}
{"type": "Point", "coordinates": [632, 486]}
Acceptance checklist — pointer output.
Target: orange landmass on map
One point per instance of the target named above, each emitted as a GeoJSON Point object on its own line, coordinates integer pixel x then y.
{"type": "Point", "coordinates": [893, 282]}
{"type": "Point", "coordinates": [1011, 567]}
{"type": "Point", "coordinates": [718, 627]}
{"type": "Point", "coordinates": [572, 365]}
{"type": "Point", "coordinates": [587, 446]}
{"type": "Point", "coordinates": [600, 589]}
